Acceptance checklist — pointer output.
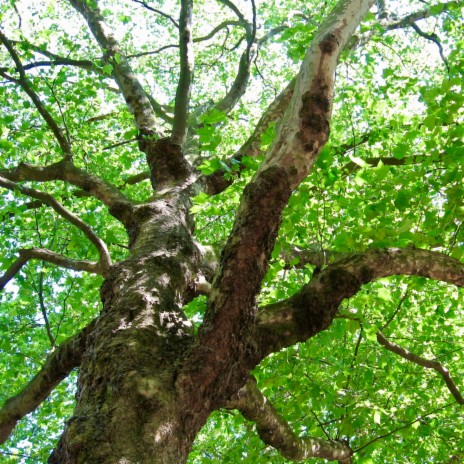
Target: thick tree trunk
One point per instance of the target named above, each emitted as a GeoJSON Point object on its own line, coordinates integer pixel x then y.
{"type": "Point", "coordinates": [127, 406]}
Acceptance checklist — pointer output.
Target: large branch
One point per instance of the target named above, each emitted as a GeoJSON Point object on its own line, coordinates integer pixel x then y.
{"type": "Point", "coordinates": [56, 368]}
{"type": "Point", "coordinates": [222, 347]}
{"type": "Point", "coordinates": [275, 431]}
{"type": "Point", "coordinates": [23, 82]}
{"type": "Point", "coordinates": [46, 255]}
{"type": "Point", "coordinates": [184, 86]}
{"type": "Point", "coordinates": [313, 308]}
{"type": "Point", "coordinates": [105, 259]}
{"type": "Point", "coordinates": [130, 87]}
{"type": "Point", "coordinates": [424, 362]}
{"type": "Point", "coordinates": [119, 205]}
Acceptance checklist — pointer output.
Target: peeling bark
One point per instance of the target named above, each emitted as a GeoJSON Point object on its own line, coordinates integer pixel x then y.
{"type": "Point", "coordinates": [314, 307]}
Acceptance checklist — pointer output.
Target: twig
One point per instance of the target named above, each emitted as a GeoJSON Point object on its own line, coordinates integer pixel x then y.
{"type": "Point", "coordinates": [154, 10]}
{"type": "Point", "coordinates": [402, 427]}
{"type": "Point", "coordinates": [427, 363]}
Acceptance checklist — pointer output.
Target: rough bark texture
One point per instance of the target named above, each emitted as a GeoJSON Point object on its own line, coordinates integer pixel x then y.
{"type": "Point", "coordinates": [147, 383]}
{"type": "Point", "coordinates": [127, 409]}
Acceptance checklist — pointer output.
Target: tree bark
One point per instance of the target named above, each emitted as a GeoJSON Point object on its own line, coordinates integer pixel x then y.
{"type": "Point", "coordinates": [127, 407]}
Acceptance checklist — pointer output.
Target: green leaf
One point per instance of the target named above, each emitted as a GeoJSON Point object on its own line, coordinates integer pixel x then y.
{"type": "Point", "coordinates": [108, 69]}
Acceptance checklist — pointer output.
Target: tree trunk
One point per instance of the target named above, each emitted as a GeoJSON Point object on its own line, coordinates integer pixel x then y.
{"type": "Point", "coordinates": [128, 409]}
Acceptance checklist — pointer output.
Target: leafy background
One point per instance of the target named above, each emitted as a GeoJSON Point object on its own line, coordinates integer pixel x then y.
{"type": "Point", "coordinates": [391, 175]}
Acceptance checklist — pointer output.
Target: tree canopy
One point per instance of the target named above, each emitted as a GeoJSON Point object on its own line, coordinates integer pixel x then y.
{"type": "Point", "coordinates": [93, 97]}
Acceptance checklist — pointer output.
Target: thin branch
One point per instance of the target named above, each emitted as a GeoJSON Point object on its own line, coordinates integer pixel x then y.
{"type": "Point", "coordinates": [219, 27]}
{"type": "Point", "coordinates": [275, 431]}
{"type": "Point", "coordinates": [240, 83]}
{"type": "Point", "coordinates": [49, 256]}
{"type": "Point", "coordinates": [131, 89]}
{"type": "Point", "coordinates": [25, 85]}
{"type": "Point", "coordinates": [405, 426]}
{"type": "Point", "coordinates": [57, 367]}
{"type": "Point", "coordinates": [411, 18]}
{"type": "Point", "coordinates": [154, 10]}
{"type": "Point", "coordinates": [184, 87]}
{"type": "Point", "coordinates": [216, 182]}
{"type": "Point", "coordinates": [119, 205]}
{"type": "Point", "coordinates": [105, 259]}
{"type": "Point", "coordinates": [397, 310]}
{"type": "Point", "coordinates": [390, 24]}
{"type": "Point", "coordinates": [435, 39]}
{"type": "Point", "coordinates": [83, 64]}
{"type": "Point", "coordinates": [424, 362]}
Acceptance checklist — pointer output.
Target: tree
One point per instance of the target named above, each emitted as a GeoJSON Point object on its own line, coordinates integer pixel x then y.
{"type": "Point", "coordinates": [252, 269]}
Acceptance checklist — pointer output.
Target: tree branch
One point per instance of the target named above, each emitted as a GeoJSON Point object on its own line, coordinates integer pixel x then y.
{"type": "Point", "coordinates": [222, 344]}
{"type": "Point", "coordinates": [105, 259]}
{"type": "Point", "coordinates": [411, 18]}
{"type": "Point", "coordinates": [56, 368]}
{"type": "Point", "coordinates": [313, 308]}
{"type": "Point", "coordinates": [181, 107]}
{"type": "Point", "coordinates": [49, 256]}
{"type": "Point", "coordinates": [275, 431]}
{"type": "Point", "coordinates": [240, 83]}
{"type": "Point", "coordinates": [63, 142]}
{"type": "Point", "coordinates": [134, 95]}
{"type": "Point", "coordinates": [119, 205]}
{"type": "Point", "coordinates": [427, 363]}
{"type": "Point", "coordinates": [216, 182]}
{"type": "Point", "coordinates": [154, 10]}
{"type": "Point", "coordinates": [83, 64]}
{"type": "Point", "coordinates": [388, 23]}
{"type": "Point", "coordinates": [433, 38]}
{"type": "Point", "coordinates": [219, 27]}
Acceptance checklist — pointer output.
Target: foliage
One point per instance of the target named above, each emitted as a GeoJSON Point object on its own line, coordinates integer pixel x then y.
{"type": "Point", "coordinates": [390, 176]}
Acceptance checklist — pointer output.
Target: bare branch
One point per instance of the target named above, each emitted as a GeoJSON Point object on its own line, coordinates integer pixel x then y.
{"type": "Point", "coordinates": [119, 205]}
{"type": "Point", "coordinates": [50, 257]}
{"type": "Point", "coordinates": [275, 431]}
{"type": "Point", "coordinates": [63, 142]}
{"type": "Point", "coordinates": [313, 308]}
{"type": "Point", "coordinates": [154, 10]}
{"type": "Point", "coordinates": [134, 95]}
{"type": "Point", "coordinates": [433, 38]}
{"type": "Point", "coordinates": [105, 259]}
{"type": "Point", "coordinates": [427, 363]}
{"type": "Point", "coordinates": [56, 368]}
{"type": "Point", "coordinates": [184, 87]}
{"type": "Point", "coordinates": [388, 23]}
{"type": "Point", "coordinates": [84, 64]}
